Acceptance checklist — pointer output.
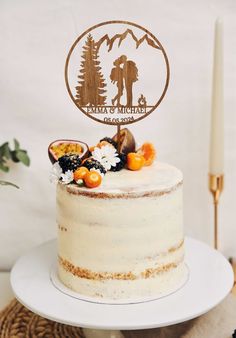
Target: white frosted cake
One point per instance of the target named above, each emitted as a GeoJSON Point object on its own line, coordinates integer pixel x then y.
{"type": "Point", "coordinates": [123, 239]}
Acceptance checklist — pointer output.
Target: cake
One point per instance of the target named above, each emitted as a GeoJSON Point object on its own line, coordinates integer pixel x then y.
{"type": "Point", "coordinates": [119, 210]}
{"type": "Point", "coordinates": [124, 239]}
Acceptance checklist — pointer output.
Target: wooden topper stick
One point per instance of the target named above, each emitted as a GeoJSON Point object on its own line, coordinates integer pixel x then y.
{"type": "Point", "coordinates": [118, 137]}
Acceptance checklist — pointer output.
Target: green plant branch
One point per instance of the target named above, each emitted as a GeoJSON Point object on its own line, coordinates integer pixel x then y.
{"type": "Point", "coordinates": [16, 155]}
{"type": "Point", "coordinates": [8, 183]}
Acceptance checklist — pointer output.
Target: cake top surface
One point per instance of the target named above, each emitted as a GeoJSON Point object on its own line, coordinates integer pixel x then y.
{"type": "Point", "coordinates": [157, 179]}
{"type": "Point", "coordinates": [114, 167]}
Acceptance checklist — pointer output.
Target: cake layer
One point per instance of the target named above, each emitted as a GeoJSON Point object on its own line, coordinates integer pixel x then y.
{"type": "Point", "coordinates": [137, 289]}
{"type": "Point", "coordinates": [171, 259]}
{"type": "Point", "coordinates": [126, 232]}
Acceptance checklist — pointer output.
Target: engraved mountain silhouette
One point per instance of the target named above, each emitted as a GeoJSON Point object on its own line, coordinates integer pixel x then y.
{"type": "Point", "coordinates": [121, 37]}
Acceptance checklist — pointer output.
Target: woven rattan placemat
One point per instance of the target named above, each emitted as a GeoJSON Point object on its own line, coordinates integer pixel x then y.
{"type": "Point", "coordinates": [18, 322]}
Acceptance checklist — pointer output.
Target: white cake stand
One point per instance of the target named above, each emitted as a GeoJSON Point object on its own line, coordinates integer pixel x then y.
{"type": "Point", "coordinates": [210, 280]}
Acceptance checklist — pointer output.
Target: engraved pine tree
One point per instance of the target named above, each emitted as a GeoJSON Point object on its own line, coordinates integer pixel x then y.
{"type": "Point", "coordinates": [91, 82]}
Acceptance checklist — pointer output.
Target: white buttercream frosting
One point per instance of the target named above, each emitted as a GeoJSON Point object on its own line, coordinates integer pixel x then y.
{"type": "Point", "coordinates": [132, 224]}
{"type": "Point", "coordinates": [159, 177]}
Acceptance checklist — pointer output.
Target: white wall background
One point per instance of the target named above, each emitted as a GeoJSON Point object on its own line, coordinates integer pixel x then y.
{"type": "Point", "coordinates": [35, 37]}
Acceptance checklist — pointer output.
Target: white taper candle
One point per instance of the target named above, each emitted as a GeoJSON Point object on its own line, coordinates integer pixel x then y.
{"type": "Point", "coordinates": [216, 166]}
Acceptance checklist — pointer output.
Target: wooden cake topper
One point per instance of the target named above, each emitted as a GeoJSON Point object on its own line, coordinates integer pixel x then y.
{"type": "Point", "coordinates": [117, 72]}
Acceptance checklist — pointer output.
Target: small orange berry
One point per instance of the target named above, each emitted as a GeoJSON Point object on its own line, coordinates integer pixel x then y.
{"type": "Point", "coordinates": [92, 179]}
{"type": "Point", "coordinates": [135, 161]}
{"type": "Point", "coordinates": [104, 143]}
{"type": "Point", "coordinates": [91, 149]}
{"type": "Point", "coordinates": [80, 173]}
{"type": "Point", "coordinates": [149, 153]}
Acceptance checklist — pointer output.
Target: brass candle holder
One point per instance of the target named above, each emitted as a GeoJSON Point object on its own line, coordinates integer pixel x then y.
{"type": "Point", "coordinates": [216, 185]}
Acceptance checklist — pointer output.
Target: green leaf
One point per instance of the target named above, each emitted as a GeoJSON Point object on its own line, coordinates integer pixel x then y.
{"type": "Point", "coordinates": [14, 157]}
{"type": "Point", "coordinates": [16, 144]}
{"type": "Point", "coordinates": [3, 167]}
{"type": "Point", "coordinates": [6, 151]}
{"type": "Point", "coordinates": [2, 148]}
{"type": "Point", "coordinates": [9, 183]}
{"type": "Point", "coordinates": [22, 156]}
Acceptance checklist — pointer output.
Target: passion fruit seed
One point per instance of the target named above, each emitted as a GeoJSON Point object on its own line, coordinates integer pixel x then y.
{"type": "Point", "coordinates": [66, 148]}
{"type": "Point", "coordinates": [60, 148]}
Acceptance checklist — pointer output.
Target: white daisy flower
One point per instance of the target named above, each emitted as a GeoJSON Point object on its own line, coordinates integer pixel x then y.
{"type": "Point", "coordinates": [106, 155]}
{"type": "Point", "coordinates": [55, 173]}
{"type": "Point", "coordinates": [80, 182]}
{"type": "Point", "coordinates": [68, 177]}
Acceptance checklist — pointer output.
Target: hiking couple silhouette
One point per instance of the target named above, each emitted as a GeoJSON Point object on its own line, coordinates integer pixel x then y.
{"type": "Point", "coordinates": [124, 74]}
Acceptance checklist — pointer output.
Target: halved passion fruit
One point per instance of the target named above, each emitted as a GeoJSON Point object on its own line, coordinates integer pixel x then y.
{"type": "Point", "coordinates": [58, 148]}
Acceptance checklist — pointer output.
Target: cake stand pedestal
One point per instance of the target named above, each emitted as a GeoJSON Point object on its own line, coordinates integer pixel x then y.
{"type": "Point", "coordinates": [92, 333]}
{"type": "Point", "coordinates": [211, 279]}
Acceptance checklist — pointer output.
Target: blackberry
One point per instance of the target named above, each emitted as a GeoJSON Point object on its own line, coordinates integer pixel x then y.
{"type": "Point", "coordinates": [69, 162]}
{"type": "Point", "coordinates": [110, 140]}
{"type": "Point", "coordinates": [121, 164]}
{"type": "Point", "coordinates": [90, 163]}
